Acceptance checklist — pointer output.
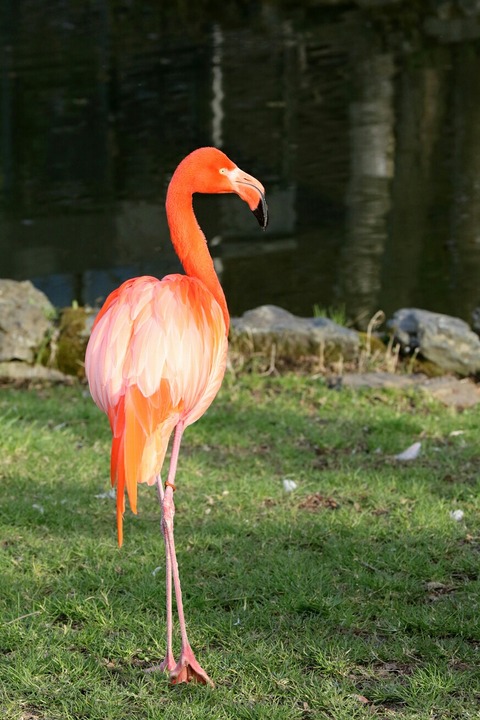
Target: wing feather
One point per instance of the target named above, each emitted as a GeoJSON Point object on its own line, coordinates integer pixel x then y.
{"type": "Point", "coordinates": [156, 355]}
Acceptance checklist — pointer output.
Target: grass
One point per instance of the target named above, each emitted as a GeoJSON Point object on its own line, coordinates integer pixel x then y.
{"type": "Point", "coordinates": [336, 314]}
{"type": "Point", "coordinates": [355, 596]}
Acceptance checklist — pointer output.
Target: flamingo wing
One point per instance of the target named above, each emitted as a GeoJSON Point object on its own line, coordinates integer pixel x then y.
{"type": "Point", "coordinates": [156, 355]}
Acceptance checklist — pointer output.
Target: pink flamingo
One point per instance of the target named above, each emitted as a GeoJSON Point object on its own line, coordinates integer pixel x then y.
{"type": "Point", "coordinates": [156, 359]}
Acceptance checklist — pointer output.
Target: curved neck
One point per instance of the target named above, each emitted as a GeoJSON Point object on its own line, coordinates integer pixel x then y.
{"type": "Point", "coordinates": [190, 243]}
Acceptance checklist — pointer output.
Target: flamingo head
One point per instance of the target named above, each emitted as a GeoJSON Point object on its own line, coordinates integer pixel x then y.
{"type": "Point", "coordinates": [211, 171]}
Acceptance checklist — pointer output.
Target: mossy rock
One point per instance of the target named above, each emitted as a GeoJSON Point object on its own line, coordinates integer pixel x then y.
{"type": "Point", "coordinates": [72, 342]}
{"type": "Point", "coordinates": [275, 335]}
{"type": "Point", "coordinates": [426, 367]}
{"type": "Point", "coordinates": [372, 342]}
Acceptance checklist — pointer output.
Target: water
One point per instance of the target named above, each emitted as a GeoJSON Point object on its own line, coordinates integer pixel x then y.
{"type": "Point", "coordinates": [363, 124]}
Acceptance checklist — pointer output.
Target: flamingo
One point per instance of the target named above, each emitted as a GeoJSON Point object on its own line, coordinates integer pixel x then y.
{"type": "Point", "coordinates": [156, 359]}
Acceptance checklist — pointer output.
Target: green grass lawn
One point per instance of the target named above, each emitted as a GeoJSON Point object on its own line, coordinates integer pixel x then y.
{"type": "Point", "coordinates": [354, 596]}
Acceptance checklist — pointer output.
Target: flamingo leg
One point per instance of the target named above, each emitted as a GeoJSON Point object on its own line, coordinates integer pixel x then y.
{"type": "Point", "coordinates": [187, 667]}
{"type": "Point", "coordinates": [169, 662]}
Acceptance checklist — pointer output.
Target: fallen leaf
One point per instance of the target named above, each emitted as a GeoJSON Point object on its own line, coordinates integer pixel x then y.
{"type": "Point", "coordinates": [436, 589]}
{"type": "Point", "coordinates": [381, 511]}
{"type": "Point", "coordinates": [388, 669]}
{"type": "Point", "coordinates": [435, 586]}
{"type": "Point", "coordinates": [269, 502]}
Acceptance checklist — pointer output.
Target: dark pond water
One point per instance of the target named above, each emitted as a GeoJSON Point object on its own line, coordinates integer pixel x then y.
{"type": "Point", "coordinates": [363, 124]}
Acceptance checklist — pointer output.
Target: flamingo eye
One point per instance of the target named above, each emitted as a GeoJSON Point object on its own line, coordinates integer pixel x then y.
{"type": "Point", "coordinates": [222, 171]}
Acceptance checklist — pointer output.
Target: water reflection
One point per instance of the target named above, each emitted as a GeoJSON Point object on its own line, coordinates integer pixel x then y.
{"type": "Point", "coordinates": [368, 199]}
{"type": "Point", "coordinates": [365, 130]}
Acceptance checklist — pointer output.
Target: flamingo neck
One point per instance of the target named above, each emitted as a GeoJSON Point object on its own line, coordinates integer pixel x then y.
{"type": "Point", "coordinates": [190, 243]}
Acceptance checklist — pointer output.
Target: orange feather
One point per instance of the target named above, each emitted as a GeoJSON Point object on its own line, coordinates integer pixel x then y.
{"type": "Point", "coordinates": [169, 342]}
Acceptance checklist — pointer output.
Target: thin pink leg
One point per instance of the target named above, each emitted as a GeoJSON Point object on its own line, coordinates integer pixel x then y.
{"type": "Point", "coordinates": [187, 667]}
{"type": "Point", "coordinates": [169, 662]}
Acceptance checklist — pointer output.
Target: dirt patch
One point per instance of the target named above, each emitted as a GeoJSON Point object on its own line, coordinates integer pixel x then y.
{"type": "Point", "coordinates": [317, 501]}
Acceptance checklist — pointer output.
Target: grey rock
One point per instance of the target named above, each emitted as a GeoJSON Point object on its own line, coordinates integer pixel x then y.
{"type": "Point", "coordinates": [447, 341]}
{"type": "Point", "coordinates": [453, 392]}
{"type": "Point", "coordinates": [26, 318]}
{"type": "Point", "coordinates": [448, 390]}
{"type": "Point", "coordinates": [16, 371]}
{"type": "Point", "coordinates": [292, 336]}
{"type": "Point", "coordinates": [380, 380]}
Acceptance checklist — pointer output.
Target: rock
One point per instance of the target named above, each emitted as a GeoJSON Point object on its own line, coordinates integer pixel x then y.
{"type": "Point", "coordinates": [449, 390]}
{"type": "Point", "coordinates": [380, 380]}
{"type": "Point", "coordinates": [16, 371]}
{"type": "Point", "coordinates": [26, 320]}
{"type": "Point", "coordinates": [74, 330]}
{"type": "Point", "coordinates": [455, 393]}
{"type": "Point", "coordinates": [447, 341]}
{"type": "Point", "coordinates": [258, 330]}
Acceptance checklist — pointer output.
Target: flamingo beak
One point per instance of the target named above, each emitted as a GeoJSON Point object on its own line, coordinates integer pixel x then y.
{"type": "Point", "coordinates": [261, 212]}
{"type": "Point", "coordinates": [252, 192]}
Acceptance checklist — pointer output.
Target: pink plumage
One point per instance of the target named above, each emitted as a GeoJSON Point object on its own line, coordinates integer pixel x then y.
{"type": "Point", "coordinates": [156, 356]}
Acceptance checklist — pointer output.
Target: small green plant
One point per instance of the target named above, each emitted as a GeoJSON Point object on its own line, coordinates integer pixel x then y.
{"type": "Point", "coordinates": [336, 314]}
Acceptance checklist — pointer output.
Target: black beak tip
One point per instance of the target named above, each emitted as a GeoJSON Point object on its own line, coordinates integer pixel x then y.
{"type": "Point", "coordinates": [261, 213]}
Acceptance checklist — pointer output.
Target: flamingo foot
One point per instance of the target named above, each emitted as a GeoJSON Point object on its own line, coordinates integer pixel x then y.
{"type": "Point", "coordinates": [167, 664]}
{"type": "Point", "coordinates": [188, 669]}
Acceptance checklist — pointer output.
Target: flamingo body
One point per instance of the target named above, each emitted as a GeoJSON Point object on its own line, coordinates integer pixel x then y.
{"type": "Point", "coordinates": [156, 359]}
